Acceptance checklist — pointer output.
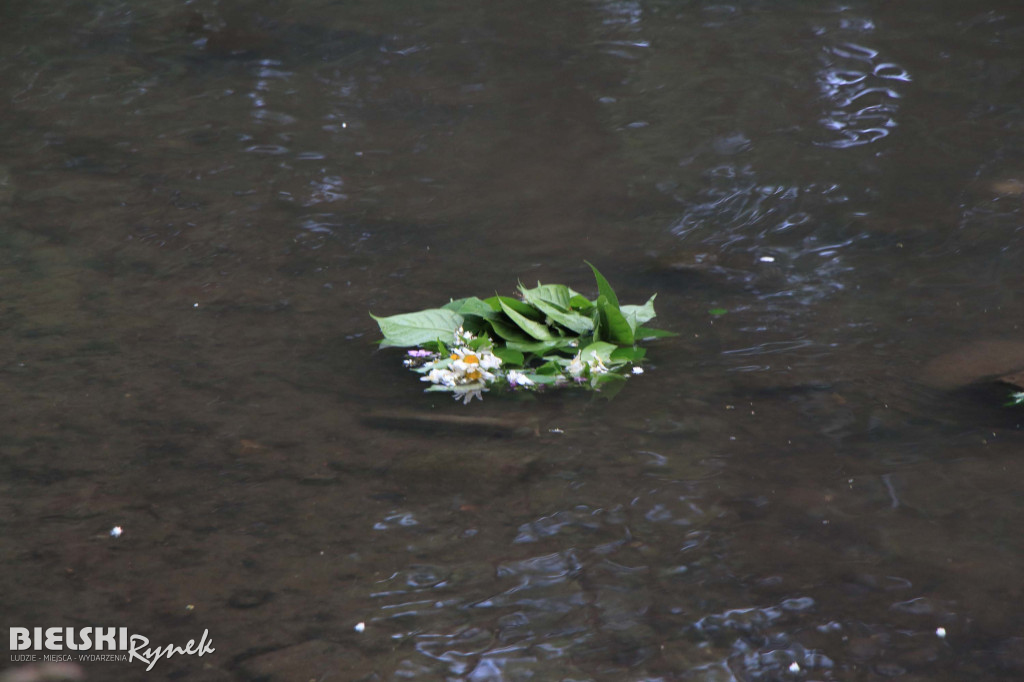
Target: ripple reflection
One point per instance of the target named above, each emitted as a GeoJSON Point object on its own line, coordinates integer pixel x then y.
{"type": "Point", "coordinates": [861, 91]}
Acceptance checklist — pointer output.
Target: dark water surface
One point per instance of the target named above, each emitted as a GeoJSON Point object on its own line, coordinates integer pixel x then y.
{"type": "Point", "coordinates": [201, 201]}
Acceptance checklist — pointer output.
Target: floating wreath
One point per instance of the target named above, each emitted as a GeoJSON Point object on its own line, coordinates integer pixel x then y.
{"type": "Point", "coordinates": [551, 336]}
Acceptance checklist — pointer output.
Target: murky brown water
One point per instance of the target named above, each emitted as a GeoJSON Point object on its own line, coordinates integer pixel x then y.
{"type": "Point", "coordinates": [201, 202]}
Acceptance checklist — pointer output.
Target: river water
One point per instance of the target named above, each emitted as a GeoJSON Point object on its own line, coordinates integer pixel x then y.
{"type": "Point", "coordinates": [201, 202]}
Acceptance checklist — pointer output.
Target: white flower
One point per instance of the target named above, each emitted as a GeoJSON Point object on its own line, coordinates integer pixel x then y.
{"type": "Point", "coordinates": [465, 372]}
{"type": "Point", "coordinates": [597, 366]}
{"type": "Point", "coordinates": [638, 370]}
{"type": "Point", "coordinates": [472, 366]}
{"type": "Point", "coordinates": [489, 360]}
{"type": "Point", "coordinates": [576, 367]}
{"type": "Point", "coordinates": [440, 376]}
{"type": "Point", "coordinates": [517, 378]}
{"type": "Point", "coordinates": [462, 337]}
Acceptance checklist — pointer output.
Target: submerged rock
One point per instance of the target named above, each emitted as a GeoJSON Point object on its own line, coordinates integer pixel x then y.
{"type": "Point", "coordinates": [980, 361]}
{"type": "Point", "coordinates": [1008, 187]}
{"type": "Point", "coordinates": [452, 423]}
{"type": "Point", "coordinates": [1015, 379]}
{"type": "Point", "coordinates": [313, 660]}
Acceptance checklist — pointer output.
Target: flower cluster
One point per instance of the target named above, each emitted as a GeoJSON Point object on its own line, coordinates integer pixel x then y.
{"type": "Point", "coordinates": [467, 371]}
{"type": "Point", "coordinates": [470, 368]}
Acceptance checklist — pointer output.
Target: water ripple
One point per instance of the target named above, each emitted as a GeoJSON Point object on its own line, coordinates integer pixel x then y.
{"type": "Point", "coordinates": [852, 75]}
{"type": "Point", "coordinates": [798, 225]}
{"type": "Point", "coordinates": [760, 648]}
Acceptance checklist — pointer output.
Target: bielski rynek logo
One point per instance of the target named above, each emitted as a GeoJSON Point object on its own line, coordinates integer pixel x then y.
{"type": "Point", "coordinates": [96, 644]}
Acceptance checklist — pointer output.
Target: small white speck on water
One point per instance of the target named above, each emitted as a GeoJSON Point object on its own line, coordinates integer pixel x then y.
{"type": "Point", "coordinates": [116, 531]}
{"type": "Point", "coordinates": [940, 633]}
{"type": "Point", "coordinates": [794, 667]}
{"type": "Point", "coordinates": [360, 627]}
{"type": "Point", "coordinates": [767, 259]}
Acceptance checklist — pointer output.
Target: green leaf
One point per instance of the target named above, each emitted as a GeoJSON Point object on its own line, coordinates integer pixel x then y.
{"type": "Point", "coordinates": [509, 356]}
{"type": "Point", "coordinates": [551, 367]}
{"type": "Point", "coordinates": [638, 315]}
{"type": "Point", "coordinates": [509, 332]}
{"type": "Point", "coordinates": [614, 325]}
{"type": "Point", "coordinates": [581, 303]}
{"type": "Point", "coordinates": [603, 287]}
{"type": "Point", "coordinates": [478, 343]}
{"type": "Point", "coordinates": [717, 311]}
{"type": "Point", "coordinates": [535, 329]}
{"type": "Point", "coordinates": [438, 347]}
{"type": "Point", "coordinates": [471, 306]}
{"type": "Point", "coordinates": [557, 294]}
{"type": "Point", "coordinates": [498, 303]}
{"type": "Point", "coordinates": [553, 300]}
{"type": "Point", "coordinates": [652, 333]}
{"type": "Point", "coordinates": [540, 347]}
{"type": "Point", "coordinates": [542, 379]}
{"type": "Point", "coordinates": [477, 326]}
{"type": "Point", "coordinates": [598, 349]}
{"type": "Point", "coordinates": [414, 329]}
{"type": "Point", "coordinates": [443, 363]}
{"type": "Point", "coordinates": [571, 321]}
{"type": "Point", "coordinates": [631, 355]}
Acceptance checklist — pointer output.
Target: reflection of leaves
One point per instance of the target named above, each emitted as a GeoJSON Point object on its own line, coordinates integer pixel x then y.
{"type": "Point", "coordinates": [652, 333]}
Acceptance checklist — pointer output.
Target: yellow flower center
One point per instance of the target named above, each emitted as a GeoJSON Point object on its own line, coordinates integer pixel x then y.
{"type": "Point", "coordinates": [473, 374]}
{"type": "Point", "coordinates": [471, 360]}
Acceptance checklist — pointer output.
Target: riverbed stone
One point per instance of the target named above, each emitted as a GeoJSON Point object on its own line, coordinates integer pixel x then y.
{"type": "Point", "coordinates": [316, 659]}
{"type": "Point", "coordinates": [982, 360]}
